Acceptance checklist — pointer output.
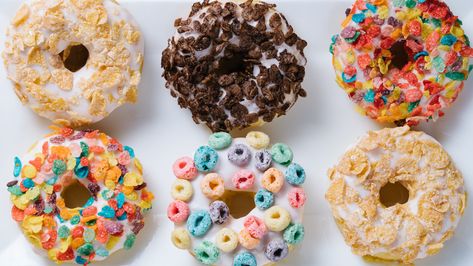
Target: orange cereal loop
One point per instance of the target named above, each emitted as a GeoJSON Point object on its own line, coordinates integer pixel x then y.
{"type": "Point", "coordinates": [77, 242]}
{"type": "Point", "coordinates": [62, 152]}
{"type": "Point", "coordinates": [246, 240]}
{"type": "Point", "coordinates": [212, 185]}
{"type": "Point", "coordinates": [272, 180]}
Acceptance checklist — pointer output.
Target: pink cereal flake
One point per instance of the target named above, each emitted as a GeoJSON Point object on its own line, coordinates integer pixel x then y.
{"type": "Point", "coordinates": [178, 211]}
{"type": "Point", "coordinates": [184, 168]}
{"type": "Point", "coordinates": [255, 226]}
{"type": "Point", "coordinates": [243, 179]}
{"type": "Point", "coordinates": [413, 95]}
{"type": "Point", "coordinates": [297, 197]}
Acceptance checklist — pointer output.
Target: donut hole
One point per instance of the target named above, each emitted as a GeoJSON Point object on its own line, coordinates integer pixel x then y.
{"type": "Point", "coordinates": [75, 195]}
{"type": "Point", "coordinates": [393, 193]}
{"type": "Point", "coordinates": [399, 54]}
{"type": "Point", "coordinates": [226, 239]}
{"type": "Point", "coordinates": [231, 63]}
{"type": "Point", "coordinates": [74, 57]}
{"type": "Point", "coordinates": [240, 203]}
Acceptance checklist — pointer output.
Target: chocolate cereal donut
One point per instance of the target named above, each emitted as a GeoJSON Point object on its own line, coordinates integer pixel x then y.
{"type": "Point", "coordinates": [396, 195]}
{"type": "Point", "coordinates": [238, 201]}
{"type": "Point", "coordinates": [72, 61]}
{"type": "Point", "coordinates": [401, 61]}
{"type": "Point", "coordinates": [234, 65]}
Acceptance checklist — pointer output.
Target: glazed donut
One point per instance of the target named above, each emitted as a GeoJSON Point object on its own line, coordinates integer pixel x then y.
{"type": "Point", "coordinates": [72, 61]}
{"type": "Point", "coordinates": [79, 196]}
{"type": "Point", "coordinates": [234, 65]}
{"type": "Point", "coordinates": [396, 195]}
{"type": "Point", "coordinates": [237, 202]}
{"type": "Point", "coordinates": [401, 62]}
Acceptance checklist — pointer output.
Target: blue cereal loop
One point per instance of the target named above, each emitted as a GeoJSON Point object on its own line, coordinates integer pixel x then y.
{"type": "Point", "coordinates": [81, 171]}
{"type": "Point", "coordinates": [199, 223]}
{"type": "Point", "coordinates": [244, 259]}
{"type": "Point", "coordinates": [205, 159]}
{"type": "Point", "coordinates": [89, 202]}
{"type": "Point", "coordinates": [348, 80]}
{"type": "Point", "coordinates": [80, 260]}
{"type": "Point", "coordinates": [358, 18]}
{"type": "Point", "coordinates": [130, 151]}
{"type": "Point", "coordinates": [448, 40]}
{"type": "Point", "coordinates": [264, 199]}
{"type": "Point", "coordinates": [371, 7]}
{"type": "Point", "coordinates": [28, 183]}
{"type": "Point", "coordinates": [295, 174]}
{"type": "Point", "coordinates": [17, 168]}
{"type": "Point", "coordinates": [220, 140]}
{"type": "Point", "coordinates": [102, 252]}
{"type": "Point", "coordinates": [419, 54]}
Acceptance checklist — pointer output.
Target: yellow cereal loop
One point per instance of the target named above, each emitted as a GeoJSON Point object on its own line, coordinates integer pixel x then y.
{"type": "Point", "coordinates": [181, 239]}
{"type": "Point", "coordinates": [246, 240]}
{"type": "Point", "coordinates": [226, 240]}
{"type": "Point", "coordinates": [272, 180]}
{"type": "Point", "coordinates": [257, 140]}
{"type": "Point", "coordinates": [212, 185]}
{"type": "Point", "coordinates": [182, 190]}
{"type": "Point", "coordinates": [277, 219]}
{"type": "Point", "coordinates": [29, 171]}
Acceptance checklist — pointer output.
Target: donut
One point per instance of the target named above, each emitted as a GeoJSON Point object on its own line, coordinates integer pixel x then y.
{"type": "Point", "coordinates": [79, 196]}
{"type": "Point", "coordinates": [396, 195]}
{"type": "Point", "coordinates": [238, 201]}
{"type": "Point", "coordinates": [401, 61]}
{"type": "Point", "coordinates": [234, 65]}
{"type": "Point", "coordinates": [72, 61]}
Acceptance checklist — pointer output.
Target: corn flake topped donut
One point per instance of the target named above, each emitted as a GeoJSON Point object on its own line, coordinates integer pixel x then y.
{"type": "Point", "coordinates": [396, 195]}
{"type": "Point", "coordinates": [235, 64]}
{"type": "Point", "coordinates": [73, 61]}
{"type": "Point", "coordinates": [79, 196]}
{"type": "Point", "coordinates": [238, 202]}
{"type": "Point", "coordinates": [401, 61]}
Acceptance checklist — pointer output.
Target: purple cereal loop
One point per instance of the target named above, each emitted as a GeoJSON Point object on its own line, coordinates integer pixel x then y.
{"type": "Point", "coordinates": [276, 250]}
{"type": "Point", "coordinates": [57, 139]}
{"type": "Point", "coordinates": [348, 32]}
{"type": "Point", "coordinates": [219, 212]}
{"type": "Point", "coordinates": [77, 136]}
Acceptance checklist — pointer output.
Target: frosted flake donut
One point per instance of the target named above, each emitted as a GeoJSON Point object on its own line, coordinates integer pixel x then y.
{"type": "Point", "coordinates": [234, 64]}
{"type": "Point", "coordinates": [73, 61]}
{"type": "Point", "coordinates": [403, 61]}
{"type": "Point", "coordinates": [396, 195]}
{"type": "Point", "coordinates": [79, 196]}
{"type": "Point", "coordinates": [241, 207]}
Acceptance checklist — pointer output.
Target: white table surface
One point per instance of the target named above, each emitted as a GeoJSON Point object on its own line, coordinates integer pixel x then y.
{"type": "Point", "coordinates": [318, 128]}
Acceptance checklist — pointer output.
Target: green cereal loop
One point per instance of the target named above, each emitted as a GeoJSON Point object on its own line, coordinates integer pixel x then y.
{"type": "Point", "coordinates": [220, 140]}
{"type": "Point", "coordinates": [207, 253]}
{"type": "Point", "coordinates": [86, 249]}
{"type": "Point", "coordinates": [281, 154]}
{"type": "Point", "coordinates": [63, 232]}
{"type": "Point", "coordinates": [59, 167]}
{"type": "Point", "coordinates": [130, 241]}
{"type": "Point", "coordinates": [294, 234]}
{"type": "Point", "coordinates": [75, 219]}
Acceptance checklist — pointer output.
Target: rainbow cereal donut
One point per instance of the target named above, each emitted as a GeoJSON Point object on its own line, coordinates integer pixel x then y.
{"type": "Point", "coordinates": [238, 202]}
{"type": "Point", "coordinates": [235, 63]}
{"type": "Point", "coordinates": [401, 61]}
{"type": "Point", "coordinates": [69, 166]}
{"type": "Point", "coordinates": [74, 61]}
{"type": "Point", "coordinates": [396, 195]}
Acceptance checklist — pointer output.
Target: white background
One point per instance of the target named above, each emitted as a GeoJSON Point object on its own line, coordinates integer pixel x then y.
{"type": "Point", "coordinates": [318, 128]}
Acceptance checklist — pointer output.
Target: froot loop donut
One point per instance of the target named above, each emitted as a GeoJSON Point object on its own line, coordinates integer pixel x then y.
{"type": "Point", "coordinates": [234, 64]}
{"type": "Point", "coordinates": [396, 195]}
{"type": "Point", "coordinates": [79, 196]}
{"type": "Point", "coordinates": [401, 61]}
{"type": "Point", "coordinates": [73, 61]}
{"type": "Point", "coordinates": [238, 201]}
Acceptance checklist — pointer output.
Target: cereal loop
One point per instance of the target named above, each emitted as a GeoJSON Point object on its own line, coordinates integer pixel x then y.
{"type": "Point", "coordinates": [255, 226]}
{"type": "Point", "coordinates": [243, 179]}
{"type": "Point", "coordinates": [184, 168]}
{"type": "Point", "coordinates": [178, 211]}
{"type": "Point", "coordinates": [182, 190]}
{"type": "Point", "coordinates": [264, 199]}
{"type": "Point", "coordinates": [295, 174]}
{"type": "Point", "coordinates": [281, 154]}
{"type": "Point", "coordinates": [181, 239]}
{"type": "Point", "coordinates": [244, 259]}
{"type": "Point", "coordinates": [294, 234]}
{"type": "Point", "coordinates": [199, 223]}
{"type": "Point", "coordinates": [297, 197]}
{"type": "Point", "coordinates": [205, 159]}
{"type": "Point", "coordinates": [239, 155]}
{"type": "Point", "coordinates": [272, 180]}
{"type": "Point", "coordinates": [257, 140]}
{"type": "Point", "coordinates": [263, 160]}
{"type": "Point", "coordinates": [226, 240]}
{"type": "Point", "coordinates": [212, 185]}
{"type": "Point", "coordinates": [220, 140]}
{"type": "Point", "coordinates": [277, 219]}
{"type": "Point", "coordinates": [246, 240]}
{"type": "Point", "coordinates": [207, 253]}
